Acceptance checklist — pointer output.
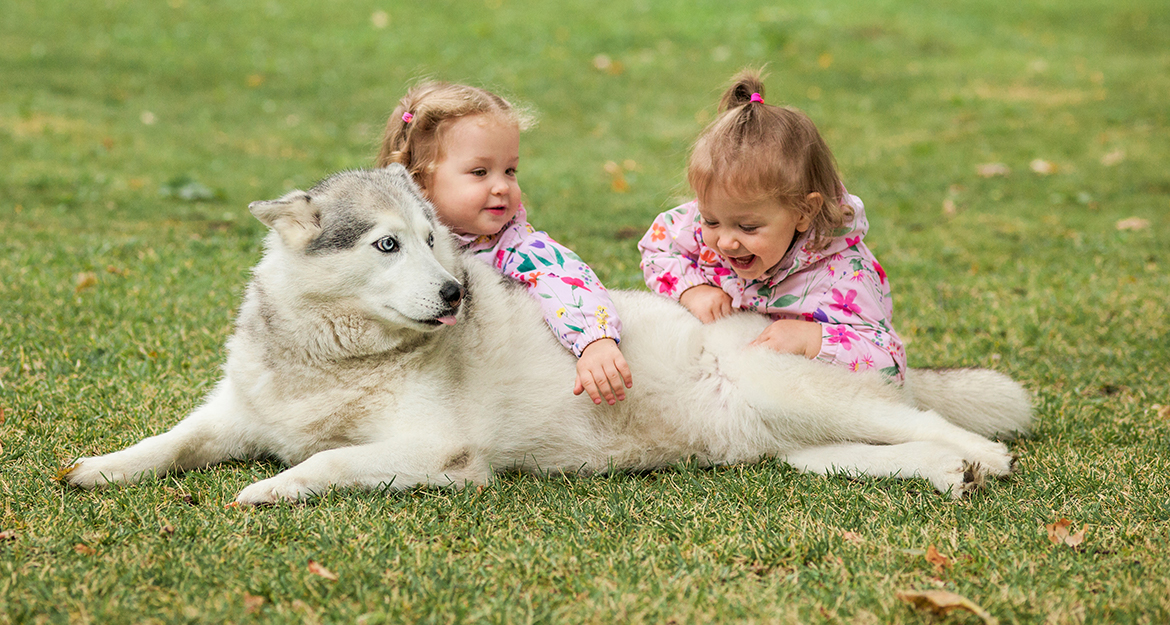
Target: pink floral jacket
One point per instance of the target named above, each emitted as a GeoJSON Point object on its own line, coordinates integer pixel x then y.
{"type": "Point", "coordinates": [842, 287]}
{"type": "Point", "coordinates": [575, 304]}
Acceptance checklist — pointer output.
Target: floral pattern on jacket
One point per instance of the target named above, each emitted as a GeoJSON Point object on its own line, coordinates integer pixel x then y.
{"type": "Point", "coordinates": [842, 287]}
{"type": "Point", "coordinates": [575, 305]}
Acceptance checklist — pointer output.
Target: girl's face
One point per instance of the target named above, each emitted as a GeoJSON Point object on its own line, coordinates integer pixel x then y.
{"type": "Point", "coordinates": [752, 236]}
{"type": "Point", "coordinates": [474, 187]}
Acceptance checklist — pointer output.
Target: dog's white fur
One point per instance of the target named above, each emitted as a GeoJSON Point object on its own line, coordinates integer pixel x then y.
{"type": "Point", "coordinates": [339, 367]}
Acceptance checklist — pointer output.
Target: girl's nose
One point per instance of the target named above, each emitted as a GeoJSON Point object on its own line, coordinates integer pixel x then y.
{"type": "Point", "coordinates": [727, 242]}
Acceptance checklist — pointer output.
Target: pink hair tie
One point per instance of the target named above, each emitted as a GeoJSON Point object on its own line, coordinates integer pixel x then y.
{"type": "Point", "coordinates": [406, 117]}
{"type": "Point", "coordinates": [757, 98]}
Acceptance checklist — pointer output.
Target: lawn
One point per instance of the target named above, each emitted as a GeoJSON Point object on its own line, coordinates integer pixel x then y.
{"type": "Point", "coordinates": [1012, 160]}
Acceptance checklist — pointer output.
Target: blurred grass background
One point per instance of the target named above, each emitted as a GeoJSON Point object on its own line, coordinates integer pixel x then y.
{"type": "Point", "coordinates": [1012, 159]}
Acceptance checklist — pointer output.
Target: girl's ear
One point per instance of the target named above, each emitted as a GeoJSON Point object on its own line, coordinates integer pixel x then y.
{"type": "Point", "coordinates": [804, 221]}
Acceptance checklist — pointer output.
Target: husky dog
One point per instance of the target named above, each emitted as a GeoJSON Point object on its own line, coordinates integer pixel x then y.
{"type": "Point", "coordinates": [370, 353]}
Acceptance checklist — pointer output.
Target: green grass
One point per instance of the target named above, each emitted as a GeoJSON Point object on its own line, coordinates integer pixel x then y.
{"type": "Point", "coordinates": [111, 108]}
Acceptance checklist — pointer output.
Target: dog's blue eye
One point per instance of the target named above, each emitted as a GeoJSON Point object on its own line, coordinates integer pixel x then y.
{"type": "Point", "coordinates": [431, 240]}
{"type": "Point", "coordinates": [386, 245]}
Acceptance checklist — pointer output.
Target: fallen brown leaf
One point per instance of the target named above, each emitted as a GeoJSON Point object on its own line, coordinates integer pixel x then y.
{"type": "Point", "coordinates": [317, 569]}
{"type": "Point", "coordinates": [942, 602]}
{"type": "Point", "coordinates": [1113, 158]}
{"type": "Point", "coordinates": [167, 529]}
{"type": "Point", "coordinates": [1133, 223]}
{"type": "Point", "coordinates": [84, 280]}
{"type": "Point", "coordinates": [8, 535]}
{"type": "Point", "coordinates": [1042, 166]}
{"type": "Point", "coordinates": [1058, 533]}
{"type": "Point", "coordinates": [84, 550]}
{"type": "Point", "coordinates": [852, 537]}
{"type": "Point", "coordinates": [991, 170]}
{"type": "Point", "coordinates": [939, 561]}
{"type": "Point", "coordinates": [252, 603]}
{"type": "Point", "coordinates": [1163, 412]}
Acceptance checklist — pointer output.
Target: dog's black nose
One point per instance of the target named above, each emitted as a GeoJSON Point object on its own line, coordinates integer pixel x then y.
{"type": "Point", "coordinates": [452, 294]}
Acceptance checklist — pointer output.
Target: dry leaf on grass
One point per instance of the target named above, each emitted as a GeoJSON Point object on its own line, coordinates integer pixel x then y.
{"type": "Point", "coordinates": [252, 603]}
{"type": "Point", "coordinates": [1042, 166]}
{"type": "Point", "coordinates": [991, 170]}
{"type": "Point", "coordinates": [1058, 533]}
{"type": "Point", "coordinates": [8, 535]}
{"type": "Point", "coordinates": [84, 550]}
{"type": "Point", "coordinates": [943, 602]}
{"type": "Point", "coordinates": [852, 537]}
{"type": "Point", "coordinates": [1113, 158]}
{"type": "Point", "coordinates": [939, 561]}
{"type": "Point", "coordinates": [84, 280]}
{"type": "Point", "coordinates": [1163, 412]}
{"type": "Point", "coordinates": [317, 569]}
{"type": "Point", "coordinates": [1133, 223]}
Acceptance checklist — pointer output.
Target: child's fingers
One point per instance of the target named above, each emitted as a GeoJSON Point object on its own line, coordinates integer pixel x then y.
{"type": "Point", "coordinates": [578, 387]}
{"type": "Point", "coordinates": [624, 369]}
{"type": "Point", "coordinates": [590, 387]}
{"type": "Point", "coordinates": [614, 383]}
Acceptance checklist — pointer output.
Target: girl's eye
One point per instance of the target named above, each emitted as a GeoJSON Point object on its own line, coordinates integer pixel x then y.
{"type": "Point", "coordinates": [386, 245]}
{"type": "Point", "coordinates": [431, 240]}
{"type": "Point", "coordinates": [710, 224]}
{"type": "Point", "coordinates": [511, 171]}
{"type": "Point", "coordinates": [479, 172]}
{"type": "Point", "coordinates": [749, 229]}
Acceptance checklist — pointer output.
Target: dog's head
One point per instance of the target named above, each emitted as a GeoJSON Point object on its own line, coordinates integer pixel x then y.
{"type": "Point", "coordinates": [368, 239]}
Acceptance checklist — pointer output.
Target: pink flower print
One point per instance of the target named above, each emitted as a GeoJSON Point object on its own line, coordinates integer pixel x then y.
{"type": "Point", "coordinates": [842, 335]}
{"type": "Point", "coordinates": [856, 276]}
{"type": "Point", "coordinates": [667, 283]}
{"type": "Point", "coordinates": [574, 282]}
{"type": "Point", "coordinates": [844, 303]}
{"type": "Point", "coordinates": [851, 241]}
{"type": "Point", "coordinates": [499, 258]}
{"type": "Point", "coordinates": [880, 272]}
{"type": "Point", "coordinates": [867, 360]}
{"type": "Point", "coordinates": [721, 271]}
{"type": "Point", "coordinates": [832, 270]}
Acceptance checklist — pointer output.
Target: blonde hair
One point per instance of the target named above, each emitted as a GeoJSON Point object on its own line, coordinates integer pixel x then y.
{"type": "Point", "coordinates": [755, 150]}
{"type": "Point", "coordinates": [414, 131]}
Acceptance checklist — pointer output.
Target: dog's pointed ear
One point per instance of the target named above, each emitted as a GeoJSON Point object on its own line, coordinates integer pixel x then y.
{"type": "Point", "coordinates": [293, 217]}
{"type": "Point", "coordinates": [401, 175]}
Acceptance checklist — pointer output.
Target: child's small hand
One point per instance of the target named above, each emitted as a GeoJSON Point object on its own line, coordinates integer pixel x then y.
{"type": "Point", "coordinates": [601, 372]}
{"type": "Point", "coordinates": [792, 336]}
{"type": "Point", "coordinates": [706, 302]}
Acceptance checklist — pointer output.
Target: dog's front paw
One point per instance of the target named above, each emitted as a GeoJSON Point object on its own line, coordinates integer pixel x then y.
{"type": "Point", "coordinates": [93, 472]}
{"type": "Point", "coordinates": [273, 490]}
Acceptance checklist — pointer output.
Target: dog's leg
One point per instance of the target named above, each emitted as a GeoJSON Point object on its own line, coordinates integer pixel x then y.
{"type": "Point", "coordinates": [399, 463]}
{"type": "Point", "coordinates": [817, 404]}
{"type": "Point", "coordinates": [209, 435]}
{"type": "Point", "coordinates": [943, 466]}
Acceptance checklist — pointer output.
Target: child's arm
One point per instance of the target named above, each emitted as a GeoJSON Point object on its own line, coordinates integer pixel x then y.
{"type": "Point", "coordinates": [850, 325]}
{"type": "Point", "coordinates": [575, 306]}
{"type": "Point", "coordinates": [670, 253]}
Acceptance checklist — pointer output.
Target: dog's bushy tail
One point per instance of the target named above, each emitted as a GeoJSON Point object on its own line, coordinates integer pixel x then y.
{"type": "Point", "coordinates": [983, 401]}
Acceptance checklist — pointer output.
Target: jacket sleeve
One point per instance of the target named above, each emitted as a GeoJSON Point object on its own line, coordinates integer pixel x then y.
{"type": "Point", "coordinates": [855, 328]}
{"type": "Point", "coordinates": [670, 252]}
{"type": "Point", "coordinates": [575, 304]}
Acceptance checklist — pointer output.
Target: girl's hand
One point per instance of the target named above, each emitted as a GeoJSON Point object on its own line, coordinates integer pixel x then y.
{"type": "Point", "coordinates": [706, 302]}
{"type": "Point", "coordinates": [601, 371]}
{"type": "Point", "coordinates": [792, 336]}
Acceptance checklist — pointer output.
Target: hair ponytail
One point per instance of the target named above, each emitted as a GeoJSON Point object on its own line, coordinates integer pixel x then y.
{"type": "Point", "coordinates": [744, 85]}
